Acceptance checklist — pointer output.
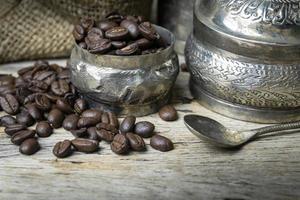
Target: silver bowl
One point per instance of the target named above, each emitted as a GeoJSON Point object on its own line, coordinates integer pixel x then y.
{"type": "Point", "coordinates": [136, 85]}
{"type": "Point", "coordinates": [244, 58]}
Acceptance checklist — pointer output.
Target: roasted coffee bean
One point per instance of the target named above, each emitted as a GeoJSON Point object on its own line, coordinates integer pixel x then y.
{"type": "Point", "coordinates": [114, 16]}
{"type": "Point", "coordinates": [144, 43]}
{"type": "Point", "coordinates": [78, 32]}
{"type": "Point", "coordinates": [7, 120]}
{"type": "Point", "coordinates": [105, 135]}
{"type": "Point", "coordinates": [22, 135]}
{"type": "Point", "coordinates": [148, 31]}
{"type": "Point", "coordinates": [117, 33]}
{"type": "Point", "coordinates": [13, 128]}
{"type": "Point", "coordinates": [85, 145]}
{"type": "Point", "coordinates": [20, 82]}
{"type": "Point", "coordinates": [87, 23]}
{"type": "Point", "coordinates": [136, 142]}
{"type": "Point", "coordinates": [82, 132]}
{"type": "Point", "coordinates": [70, 98]}
{"type": "Point", "coordinates": [107, 24]}
{"type": "Point", "coordinates": [130, 49]}
{"type": "Point", "coordinates": [101, 46]}
{"type": "Point", "coordinates": [96, 31]}
{"type": "Point", "coordinates": [60, 87]}
{"type": "Point", "coordinates": [9, 104]}
{"type": "Point", "coordinates": [127, 124]}
{"type": "Point", "coordinates": [7, 89]}
{"type": "Point", "coordinates": [53, 98]}
{"type": "Point", "coordinates": [22, 93]}
{"type": "Point", "coordinates": [64, 74]}
{"type": "Point", "coordinates": [7, 79]}
{"type": "Point", "coordinates": [63, 149]}
{"type": "Point", "coordinates": [70, 122]}
{"type": "Point", "coordinates": [46, 76]}
{"type": "Point", "coordinates": [118, 44]}
{"type": "Point", "coordinates": [107, 127]}
{"type": "Point", "coordinates": [56, 118]}
{"type": "Point", "coordinates": [64, 106]}
{"type": "Point", "coordinates": [25, 118]}
{"type": "Point", "coordinates": [132, 28]}
{"type": "Point", "coordinates": [168, 113]}
{"type": "Point", "coordinates": [80, 106]}
{"type": "Point", "coordinates": [29, 146]}
{"type": "Point", "coordinates": [44, 129]}
{"type": "Point", "coordinates": [144, 129]}
{"type": "Point", "coordinates": [42, 102]}
{"type": "Point", "coordinates": [120, 144]}
{"type": "Point", "coordinates": [38, 86]}
{"type": "Point", "coordinates": [161, 143]}
{"type": "Point", "coordinates": [36, 113]}
{"type": "Point", "coordinates": [30, 98]}
{"type": "Point", "coordinates": [92, 113]}
{"type": "Point", "coordinates": [24, 70]}
{"type": "Point", "coordinates": [87, 122]}
{"type": "Point", "coordinates": [92, 133]}
{"type": "Point", "coordinates": [113, 120]}
{"type": "Point", "coordinates": [105, 118]}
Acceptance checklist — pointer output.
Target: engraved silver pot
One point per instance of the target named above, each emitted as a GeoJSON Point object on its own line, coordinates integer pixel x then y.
{"type": "Point", "coordinates": [135, 85]}
{"type": "Point", "coordinates": [244, 58]}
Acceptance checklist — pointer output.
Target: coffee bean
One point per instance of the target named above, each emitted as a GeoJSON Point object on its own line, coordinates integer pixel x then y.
{"type": "Point", "coordinates": [35, 112]}
{"type": "Point", "coordinates": [70, 122]}
{"type": "Point", "coordinates": [64, 74]}
{"type": "Point", "coordinates": [46, 76]}
{"type": "Point", "coordinates": [42, 102]}
{"type": "Point", "coordinates": [132, 28]}
{"type": "Point", "coordinates": [9, 104]}
{"type": "Point", "coordinates": [25, 118]}
{"type": "Point", "coordinates": [22, 135]}
{"type": "Point", "coordinates": [144, 43]}
{"type": "Point", "coordinates": [168, 113]}
{"type": "Point", "coordinates": [105, 135]}
{"type": "Point", "coordinates": [92, 133]}
{"type": "Point", "coordinates": [105, 118]}
{"type": "Point", "coordinates": [130, 49]}
{"type": "Point", "coordinates": [107, 127]}
{"type": "Point", "coordinates": [30, 98]}
{"type": "Point", "coordinates": [113, 120]}
{"type": "Point", "coordinates": [7, 120]}
{"type": "Point", "coordinates": [92, 113]}
{"type": "Point", "coordinates": [87, 122]}
{"type": "Point", "coordinates": [85, 145]}
{"type": "Point", "coordinates": [7, 89]}
{"type": "Point", "coordinates": [136, 142]}
{"type": "Point", "coordinates": [114, 16]}
{"type": "Point", "coordinates": [63, 149]}
{"type": "Point", "coordinates": [148, 31]}
{"type": "Point", "coordinates": [117, 33]}
{"type": "Point", "coordinates": [64, 106]}
{"type": "Point", "coordinates": [107, 24]}
{"type": "Point", "coordinates": [120, 144]}
{"type": "Point", "coordinates": [60, 87]}
{"type": "Point", "coordinates": [118, 44]}
{"type": "Point", "coordinates": [43, 129]}
{"type": "Point", "coordinates": [96, 32]}
{"type": "Point", "coordinates": [53, 98]}
{"type": "Point", "coordinates": [144, 129]}
{"type": "Point", "coordinates": [82, 132]}
{"type": "Point", "coordinates": [29, 146]}
{"type": "Point", "coordinates": [38, 86]}
{"type": "Point", "coordinates": [80, 106]}
{"type": "Point", "coordinates": [56, 118]}
{"type": "Point", "coordinates": [7, 79]}
{"type": "Point", "coordinates": [78, 32]}
{"type": "Point", "coordinates": [13, 128]}
{"type": "Point", "coordinates": [161, 143]}
{"type": "Point", "coordinates": [87, 23]}
{"type": "Point", "coordinates": [127, 124]}
{"type": "Point", "coordinates": [100, 46]}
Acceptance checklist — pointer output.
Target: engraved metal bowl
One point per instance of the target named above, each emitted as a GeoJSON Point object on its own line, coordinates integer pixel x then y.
{"type": "Point", "coordinates": [136, 85]}
{"type": "Point", "coordinates": [244, 58]}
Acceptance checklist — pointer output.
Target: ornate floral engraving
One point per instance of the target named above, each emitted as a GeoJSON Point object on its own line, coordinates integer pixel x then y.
{"type": "Point", "coordinates": [276, 12]}
{"type": "Point", "coordinates": [247, 83]}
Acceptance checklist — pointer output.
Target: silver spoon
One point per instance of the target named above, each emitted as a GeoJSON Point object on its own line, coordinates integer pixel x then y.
{"type": "Point", "coordinates": [215, 133]}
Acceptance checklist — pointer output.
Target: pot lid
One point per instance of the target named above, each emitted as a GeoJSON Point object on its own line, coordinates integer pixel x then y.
{"type": "Point", "coordinates": [254, 28]}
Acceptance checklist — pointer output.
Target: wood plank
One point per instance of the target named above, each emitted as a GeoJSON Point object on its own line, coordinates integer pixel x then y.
{"type": "Point", "coordinates": [268, 168]}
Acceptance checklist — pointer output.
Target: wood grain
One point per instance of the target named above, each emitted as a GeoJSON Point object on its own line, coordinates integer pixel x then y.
{"type": "Point", "coordinates": [268, 168]}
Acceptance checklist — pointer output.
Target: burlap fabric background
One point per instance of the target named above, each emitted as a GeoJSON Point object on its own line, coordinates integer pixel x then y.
{"type": "Point", "coordinates": [36, 29]}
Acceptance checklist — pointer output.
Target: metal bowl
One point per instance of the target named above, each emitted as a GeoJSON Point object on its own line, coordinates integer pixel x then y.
{"type": "Point", "coordinates": [244, 58]}
{"type": "Point", "coordinates": [136, 85]}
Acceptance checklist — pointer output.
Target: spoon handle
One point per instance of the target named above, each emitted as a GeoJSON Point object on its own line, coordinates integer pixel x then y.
{"type": "Point", "coordinates": [280, 127]}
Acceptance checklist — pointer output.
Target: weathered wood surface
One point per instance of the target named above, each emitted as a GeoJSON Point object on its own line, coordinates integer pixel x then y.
{"type": "Point", "coordinates": [268, 168]}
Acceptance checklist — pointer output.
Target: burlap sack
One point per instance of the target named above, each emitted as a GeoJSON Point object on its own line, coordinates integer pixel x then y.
{"type": "Point", "coordinates": [36, 29]}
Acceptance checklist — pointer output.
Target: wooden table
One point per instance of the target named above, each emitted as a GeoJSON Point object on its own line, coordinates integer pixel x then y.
{"type": "Point", "coordinates": [268, 168]}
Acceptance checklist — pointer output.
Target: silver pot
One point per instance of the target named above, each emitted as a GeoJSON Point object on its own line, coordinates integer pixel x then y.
{"type": "Point", "coordinates": [244, 58]}
{"type": "Point", "coordinates": [177, 16]}
{"type": "Point", "coordinates": [135, 85]}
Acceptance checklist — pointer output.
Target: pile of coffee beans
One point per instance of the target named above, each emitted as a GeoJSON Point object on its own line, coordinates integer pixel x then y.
{"type": "Point", "coordinates": [43, 94]}
{"type": "Point", "coordinates": [118, 35]}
